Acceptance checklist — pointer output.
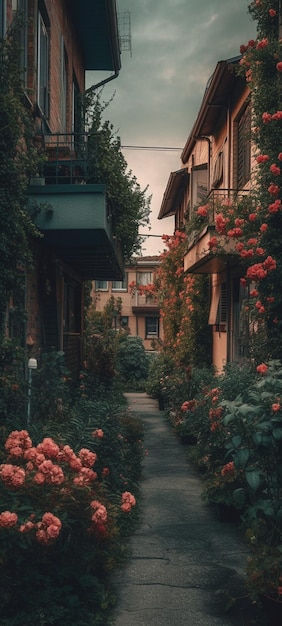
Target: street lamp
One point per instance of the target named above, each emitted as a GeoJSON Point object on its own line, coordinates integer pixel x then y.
{"type": "Point", "coordinates": [32, 365]}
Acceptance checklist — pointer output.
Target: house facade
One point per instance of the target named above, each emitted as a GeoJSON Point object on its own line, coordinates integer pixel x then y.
{"type": "Point", "coordinates": [60, 41]}
{"type": "Point", "coordinates": [139, 312]}
{"type": "Point", "coordinates": [216, 165]}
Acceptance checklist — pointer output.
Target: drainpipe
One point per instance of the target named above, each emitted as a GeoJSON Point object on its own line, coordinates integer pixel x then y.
{"type": "Point", "coordinates": [102, 82]}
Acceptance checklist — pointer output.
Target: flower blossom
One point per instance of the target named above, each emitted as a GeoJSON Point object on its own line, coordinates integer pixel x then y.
{"type": "Point", "coordinates": [266, 117]}
{"type": "Point", "coordinates": [48, 529]}
{"type": "Point", "coordinates": [262, 368]}
{"type": "Point", "coordinates": [276, 406]}
{"type": "Point", "coordinates": [17, 442]}
{"type": "Point", "coordinates": [128, 501]}
{"type": "Point", "coordinates": [8, 519]}
{"type": "Point", "coordinates": [203, 210]}
{"type": "Point", "coordinates": [98, 433]}
{"type": "Point", "coordinates": [274, 168]}
{"type": "Point", "coordinates": [228, 469]}
{"type": "Point", "coordinates": [12, 475]}
{"type": "Point", "coordinates": [279, 66]}
{"type": "Point", "coordinates": [100, 515]}
{"type": "Point", "coordinates": [87, 457]}
{"type": "Point", "coordinates": [262, 158]}
{"type": "Point", "coordinates": [263, 43]}
{"type": "Point", "coordinates": [49, 448]}
{"type": "Point", "coordinates": [85, 477]}
{"type": "Point", "coordinates": [272, 12]}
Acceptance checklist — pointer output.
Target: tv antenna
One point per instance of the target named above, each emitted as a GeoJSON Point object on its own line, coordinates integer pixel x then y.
{"type": "Point", "coordinates": [124, 30]}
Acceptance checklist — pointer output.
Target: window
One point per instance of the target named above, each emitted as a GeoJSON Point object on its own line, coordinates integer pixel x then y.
{"type": "Point", "coordinates": [119, 285]}
{"type": "Point", "coordinates": [221, 317]}
{"type": "Point", "coordinates": [43, 67]}
{"type": "Point", "coordinates": [244, 148]}
{"type": "Point", "coordinates": [145, 278]}
{"type": "Point", "coordinates": [124, 321]}
{"type": "Point", "coordinates": [152, 327]}
{"type": "Point", "coordinates": [199, 183]}
{"type": "Point", "coordinates": [72, 308]}
{"type": "Point", "coordinates": [101, 285]}
{"type": "Point", "coordinates": [2, 18]}
{"type": "Point", "coordinates": [64, 65]}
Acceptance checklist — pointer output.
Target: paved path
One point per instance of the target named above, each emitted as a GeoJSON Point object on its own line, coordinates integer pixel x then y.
{"type": "Point", "coordinates": [184, 561]}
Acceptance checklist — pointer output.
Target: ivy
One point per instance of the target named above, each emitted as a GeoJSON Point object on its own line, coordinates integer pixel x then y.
{"type": "Point", "coordinates": [18, 161]}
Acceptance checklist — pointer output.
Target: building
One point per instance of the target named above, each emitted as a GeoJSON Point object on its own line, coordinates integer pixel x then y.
{"type": "Point", "coordinates": [216, 165]}
{"type": "Point", "coordinates": [140, 311]}
{"type": "Point", "coordinates": [60, 41]}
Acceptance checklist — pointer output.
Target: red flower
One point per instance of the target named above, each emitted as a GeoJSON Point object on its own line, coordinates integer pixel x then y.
{"type": "Point", "coordinates": [263, 228]}
{"type": "Point", "coordinates": [262, 43]}
{"type": "Point", "coordinates": [273, 189]}
{"type": "Point", "coordinates": [272, 12]}
{"type": "Point", "coordinates": [266, 117]}
{"type": "Point", "coordinates": [280, 156]}
{"type": "Point", "coordinates": [262, 158]}
{"type": "Point", "coordinates": [262, 368]}
{"type": "Point", "coordinates": [274, 168]}
{"type": "Point", "coordinates": [279, 66]}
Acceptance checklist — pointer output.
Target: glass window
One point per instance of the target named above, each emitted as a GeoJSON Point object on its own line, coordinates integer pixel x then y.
{"type": "Point", "coordinates": [119, 285]}
{"type": "Point", "coordinates": [64, 65]}
{"type": "Point", "coordinates": [2, 18]}
{"type": "Point", "coordinates": [199, 184]}
{"type": "Point", "coordinates": [43, 67]}
{"type": "Point", "coordinates": [102, 285]}
{"type": "Point", "coordinates": [145, 278]}
{"type": "Point", "coordinates": [152, 326]}
{"type": "Point", "coordinates": [244, 149]}
{"type": "Point", "coordinates": [124, 321]}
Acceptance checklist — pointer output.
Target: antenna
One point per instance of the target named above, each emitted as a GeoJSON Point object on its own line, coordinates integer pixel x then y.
{"type": "Point", "coordinates": [124, 29]}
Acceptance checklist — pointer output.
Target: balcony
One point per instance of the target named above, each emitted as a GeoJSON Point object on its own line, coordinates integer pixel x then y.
{"type": "Point", "coordinates": [145, 305]}
{"type": "Point", "coordinates": [199, 258]}
{"type": "Point", "coordinates": [71, 213]}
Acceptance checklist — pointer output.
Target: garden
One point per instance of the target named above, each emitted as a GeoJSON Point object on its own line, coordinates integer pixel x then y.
{"type": "Point", "coordinates": [69, 487]}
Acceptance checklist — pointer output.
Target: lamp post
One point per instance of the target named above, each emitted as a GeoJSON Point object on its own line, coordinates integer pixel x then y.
{"type": "Point", "coordinates": [32, 365]}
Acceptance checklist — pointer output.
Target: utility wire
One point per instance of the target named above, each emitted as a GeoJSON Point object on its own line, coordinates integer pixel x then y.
{"type": "Point", "coordinates": [158, 148]}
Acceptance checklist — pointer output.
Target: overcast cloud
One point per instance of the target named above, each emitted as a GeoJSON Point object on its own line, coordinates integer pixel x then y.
{"type": "Point", "coordinates": [176, 45]}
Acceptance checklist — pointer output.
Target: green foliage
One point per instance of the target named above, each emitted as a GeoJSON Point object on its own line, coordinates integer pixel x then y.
{"type": "Point", "coordinates": [18, 160]}
{"type": "Point", "coordinates": [13, 386]}
{"type": "Point", "coordinates": [132, 362]}
{"type": "Point", "coordinates": [128, 205]}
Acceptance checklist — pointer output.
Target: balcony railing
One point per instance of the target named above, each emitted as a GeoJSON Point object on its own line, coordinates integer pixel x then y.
{"type": "Point", "coordinates": [217, 199]}
{"type": "Point", "coordinates": [66, 158]}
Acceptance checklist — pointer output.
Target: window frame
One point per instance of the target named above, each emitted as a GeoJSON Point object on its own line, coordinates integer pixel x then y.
{"type": "Point", "coordinates": [123, 284]}
{"type": "Point", "coordinates": [43, 65]}
{"type": "Point", "coordinates": [152, 334]}
{"type": "Point", "coordinates": [99, 288]}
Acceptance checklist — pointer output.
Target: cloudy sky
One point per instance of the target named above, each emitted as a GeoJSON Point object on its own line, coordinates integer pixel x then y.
{"type": "Point", "coordinates": [175, 47]}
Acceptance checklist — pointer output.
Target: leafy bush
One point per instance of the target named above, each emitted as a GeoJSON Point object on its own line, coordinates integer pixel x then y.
{"type": "Point", "coordinates": [132, 361]}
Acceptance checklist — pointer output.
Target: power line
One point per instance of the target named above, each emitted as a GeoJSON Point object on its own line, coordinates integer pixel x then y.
{"type": "Point", "coordinates": [159, 148]}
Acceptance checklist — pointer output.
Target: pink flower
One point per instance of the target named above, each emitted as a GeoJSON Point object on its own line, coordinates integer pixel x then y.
{"type": "Point", "coordinates": [17, 442]}
{"type": "Point", "coordinates": [213, 243]}
{"type": "Point", "coordinates": [98, 433]}
{"type": "Point", "coordinates": [203, 210]}
{"type": "Point", "coordinates": [100, 514]}
{"type": "Point", "coordinates": [105, 472]}
{"type": "Point", "coordinates": [279, 66]}
{"type": "Point", "coordinates": [266, 117]}
{"type": "Point", "coordinates": [8, 519]}
{"type": "Point", "coordinates": [12, 475]}
{"type": "Point", "coordinates": [280, 156]}
{"type": "Point", "coordinates": [229, 468]}
{"type": "Point", "coordinates": [262, 368]}
{"type": "Point", "coordinates": [272, 12]}
{"type": "Point", "coordinates": [87, 457]}
{"type": "Point", "coordinates": [275, 206]}
{"type": "Point", "coordinates": [276, 407]}
{"type": "Point", "coordinates": [252, 217]}
{"type": "Point", "coordinates": [48, 447]}
{"type": "Point", "coordinates": [263, 228]}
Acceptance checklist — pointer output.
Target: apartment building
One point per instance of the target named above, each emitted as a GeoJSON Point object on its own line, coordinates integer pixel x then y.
{"type": "Point", "coordinates": [216, 165]}
{"type": "Point", "coordinates": [60, 41]}
{"type": "Point", "coordinates": [140, 312]}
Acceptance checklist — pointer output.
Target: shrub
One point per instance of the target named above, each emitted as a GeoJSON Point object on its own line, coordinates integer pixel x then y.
{"type": "Point", "coordinates": [132, 361]}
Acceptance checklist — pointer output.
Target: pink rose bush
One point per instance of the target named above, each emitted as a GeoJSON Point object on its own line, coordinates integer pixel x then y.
{"type": "Point", "coordinates": [49, 478]}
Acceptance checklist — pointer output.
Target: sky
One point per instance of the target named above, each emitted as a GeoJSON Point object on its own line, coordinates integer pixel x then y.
{"type": "Point", "coordinates": [175, 46]}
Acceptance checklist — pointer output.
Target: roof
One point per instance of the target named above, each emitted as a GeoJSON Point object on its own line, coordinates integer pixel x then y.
{"type": "Point", "coordinates": [176, 185]}
{"type": "Point", "coordinates": [216, 98]}
{"type": "Point", "coordinates": [97, 29]}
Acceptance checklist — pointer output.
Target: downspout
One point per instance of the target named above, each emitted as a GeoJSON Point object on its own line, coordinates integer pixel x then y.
{"type": "Point", "coordinates": [102, 82]}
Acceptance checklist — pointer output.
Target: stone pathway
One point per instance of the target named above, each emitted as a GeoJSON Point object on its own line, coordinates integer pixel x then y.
{"type": "Point", "coordinates": [184, 562]}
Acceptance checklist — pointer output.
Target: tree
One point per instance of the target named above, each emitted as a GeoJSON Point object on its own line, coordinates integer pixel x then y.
{"type": "Point", "coordinates": [129, 206]}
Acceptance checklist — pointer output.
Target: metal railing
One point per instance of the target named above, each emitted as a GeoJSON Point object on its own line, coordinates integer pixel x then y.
{"type": "Point", "coordinates": [66, 158]}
